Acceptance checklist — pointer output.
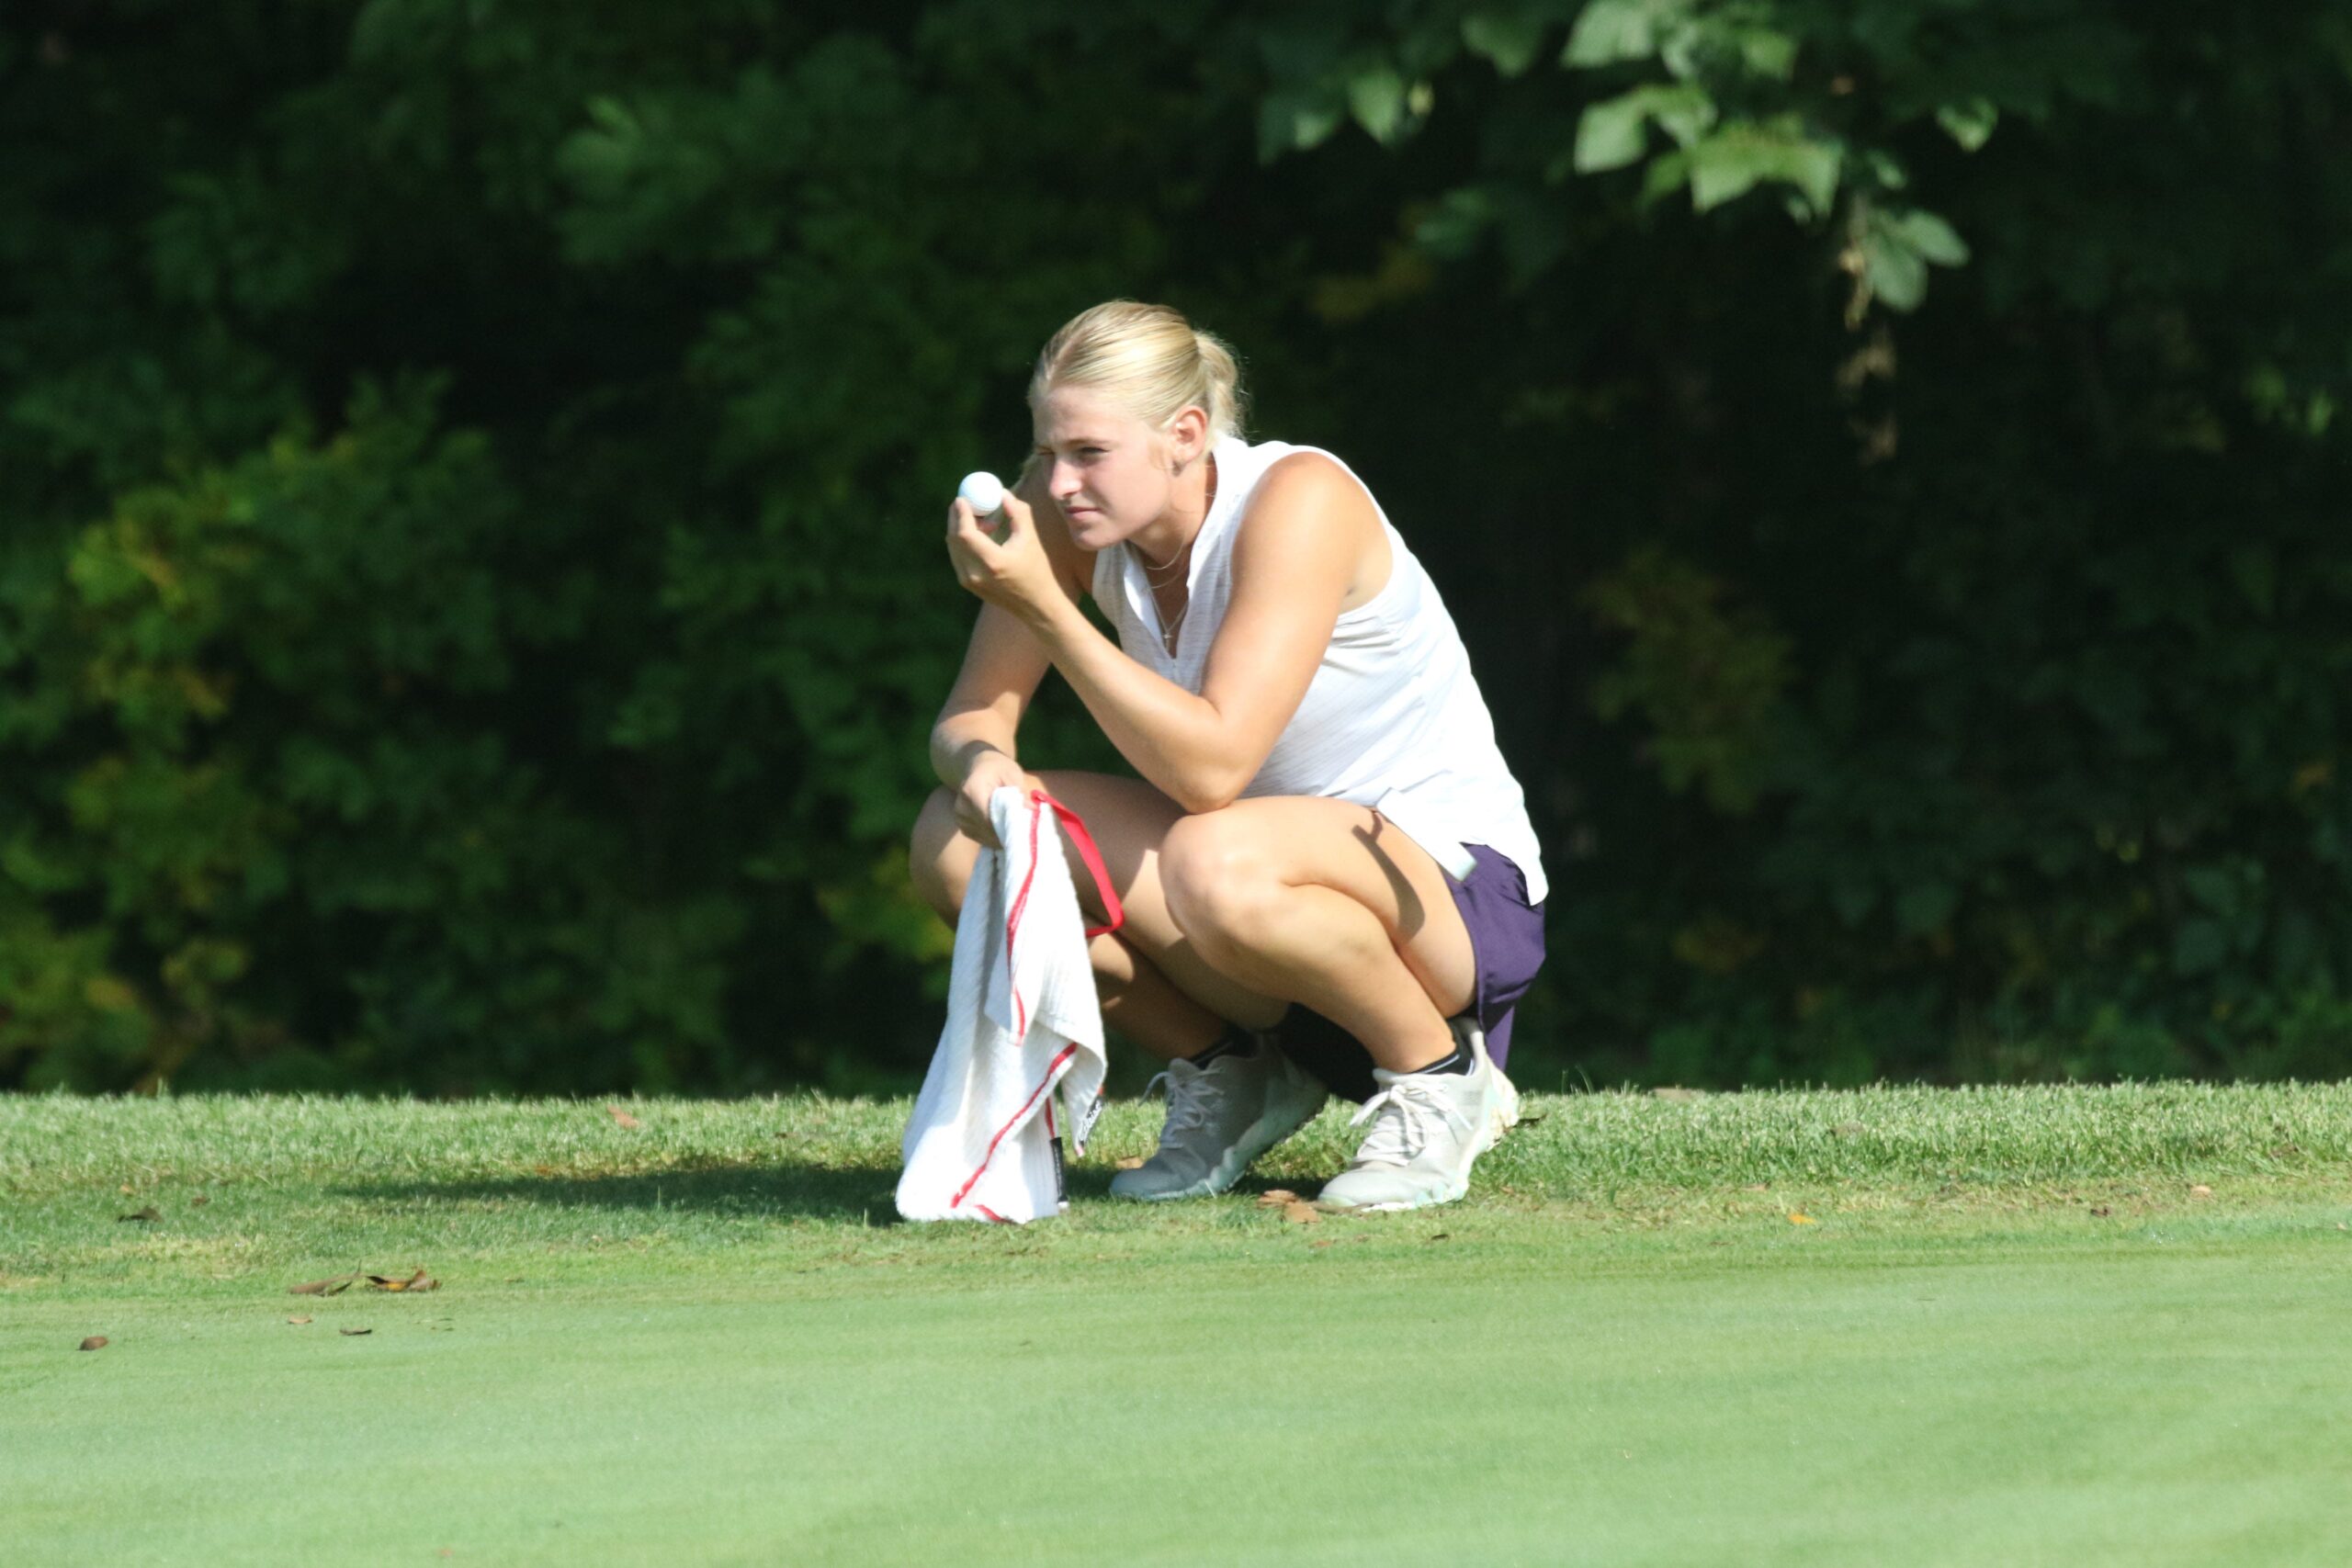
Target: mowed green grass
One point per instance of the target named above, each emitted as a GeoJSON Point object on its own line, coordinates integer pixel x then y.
{"type": "Point", "coordinates": [2063, 1326]}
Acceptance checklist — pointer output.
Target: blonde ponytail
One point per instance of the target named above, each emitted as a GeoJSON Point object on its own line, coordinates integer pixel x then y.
{"type": "Point", "coordinates": [1147, 359]}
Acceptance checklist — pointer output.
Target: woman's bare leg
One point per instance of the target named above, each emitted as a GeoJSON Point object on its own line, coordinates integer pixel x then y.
{"type": "Point", "coordinates": [1156, 990]}
{"type": "Point", "coordinates": [1233, 914]}
{"type": "Point", "coordinates": [1326, 904]}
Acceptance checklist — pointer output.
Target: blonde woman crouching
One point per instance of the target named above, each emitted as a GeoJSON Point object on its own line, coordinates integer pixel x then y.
{"type": "Point", "coordinates": [1282, 665]}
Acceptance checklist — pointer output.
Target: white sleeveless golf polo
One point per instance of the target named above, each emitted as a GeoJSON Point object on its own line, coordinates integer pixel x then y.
{"type": "Point", "coordinates": [1392, 707]}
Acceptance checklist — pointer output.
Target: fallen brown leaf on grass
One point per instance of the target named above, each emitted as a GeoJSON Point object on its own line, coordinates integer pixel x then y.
{"type": "Point", "coordinates": [354, 1332]}
{"type": "Point", "coordinates": [622, 1118]}
{"type": "Point", "coordinates": [1133, 1162]}
{"type": "Point", "coordinates": [128, 1189]}
{"type": "Point", "coordinates": [147, 1215]}
{"type": "Point", "coordinates": [200, 1200]}
{"type": "Point", "coordinates": [2201, 1190]}
{"type": "Point", "coordinates": [95, 1342]}
{"type": "Point", "coordinates": [1301, 1214]}
{"type": "Point", "coordinates": [298, 1320]}
{"type": "Point", "coordinates": [1276, 1198]}
{"type": "Point", "coordinates": [1800, 1219]}
{"type": "Point", "coordinates": [415, 1283]}
{"type": "Point", "coordinates": [2101, 1212]}
{"type": "Point", "coordinates": [334, 1286]}
{"type": "Point", "coordinates": [1441, 1236]}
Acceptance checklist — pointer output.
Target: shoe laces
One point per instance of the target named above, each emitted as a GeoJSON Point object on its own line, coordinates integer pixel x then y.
{"type": "Point", "coordinates": [1190, 1096]}
{"type": "Point", "coordinates": [1410, 1112]}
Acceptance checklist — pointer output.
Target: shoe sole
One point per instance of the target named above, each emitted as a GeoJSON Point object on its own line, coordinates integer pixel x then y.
{"type": "Point", "coordinates": [1460, 1189]}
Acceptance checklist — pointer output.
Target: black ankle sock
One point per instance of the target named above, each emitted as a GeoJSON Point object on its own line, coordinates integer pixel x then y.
{"type": "Point", "coordinates": [1461, 1061]}
{"type": "Point", "coordinates": [1236, 1040]}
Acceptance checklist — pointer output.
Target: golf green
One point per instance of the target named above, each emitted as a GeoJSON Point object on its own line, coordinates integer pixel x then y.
{"type": "Point", "coordinates": [613, 1371]}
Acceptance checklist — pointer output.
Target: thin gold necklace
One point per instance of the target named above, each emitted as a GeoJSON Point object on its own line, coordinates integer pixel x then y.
{"type": "Point", "coordinates": [1175, 566]}
{"type": "Point", "coordinates": [1180, 570]}
{"type": "Point", "coordinates": [1208, 505]}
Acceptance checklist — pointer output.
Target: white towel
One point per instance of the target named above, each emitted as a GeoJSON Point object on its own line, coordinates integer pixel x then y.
{"type": "Point", "coordinates": [1022, 1021]}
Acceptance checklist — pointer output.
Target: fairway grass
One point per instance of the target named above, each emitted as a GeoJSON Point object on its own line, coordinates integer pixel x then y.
{"type": "Point", "coordinates": [2063, 1326]}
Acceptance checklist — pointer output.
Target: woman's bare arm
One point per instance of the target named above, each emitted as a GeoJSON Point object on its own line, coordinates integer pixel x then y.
{"type": "Point", "coordinates": [1004, 661]}
{"type": "Point", "coordinates": [1294, 562]}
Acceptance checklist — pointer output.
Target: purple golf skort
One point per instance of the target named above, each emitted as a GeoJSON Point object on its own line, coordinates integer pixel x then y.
{"type": "Point", "coordinates": [1507, 935]}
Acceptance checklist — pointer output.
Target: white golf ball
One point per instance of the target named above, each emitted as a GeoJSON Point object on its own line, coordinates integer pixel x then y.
{"type": "Point", "coordinates": [984, 491]}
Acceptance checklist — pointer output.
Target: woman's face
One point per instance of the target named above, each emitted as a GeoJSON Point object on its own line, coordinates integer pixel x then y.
{"type": "Point", "coordinates": [1105, 468]}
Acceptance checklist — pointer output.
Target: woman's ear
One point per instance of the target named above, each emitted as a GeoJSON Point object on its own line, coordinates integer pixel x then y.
{"type": "Point", "coordinates": [1188, 437]}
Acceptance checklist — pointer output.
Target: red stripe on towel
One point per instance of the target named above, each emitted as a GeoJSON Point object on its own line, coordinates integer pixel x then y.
{"type": "Point", "coordinates": [1012, 928]}
{"type": "Point", "coordinates": [1052, 1068]}
{"type": "Point", "coordinates": [1075, 826]}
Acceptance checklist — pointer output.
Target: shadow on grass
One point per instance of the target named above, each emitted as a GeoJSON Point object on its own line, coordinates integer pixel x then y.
{"type": "Point", "coordinates": [783, 1191]}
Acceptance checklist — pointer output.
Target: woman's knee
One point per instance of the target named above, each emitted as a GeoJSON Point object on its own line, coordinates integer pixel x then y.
{"type": "Point", "coordinates": [1218, 875]}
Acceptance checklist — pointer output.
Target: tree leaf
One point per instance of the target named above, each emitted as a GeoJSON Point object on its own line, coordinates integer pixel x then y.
{"type": "Point", "coordinates": [1614, 133]}
{"type": "Point", "coordinates": [1931, 237]}
{"type": "Point", "coordinates": [1376, 98]}
{"type": "Point", "coordinates": [1664, 177]}
{"type": "Point", "coordinates": [1509, 38]}
{"type": "Point", "coordinates": [1293, 119]}
{"type": "Point", "coordinates": [1452, 228]}
{"type": "Point", "coordinates": [1610, 30]}
{"type": "Point", "coordinates": [1970, 122]}
{"type": "Point", "coordinates": [1723, 168]}
{"type": "Point", "coordinates": [1895, 272]}
{"type": "Point", "coordinates": [1767, 52]}
{"type": "Point", "coordinates": [1733, 161]}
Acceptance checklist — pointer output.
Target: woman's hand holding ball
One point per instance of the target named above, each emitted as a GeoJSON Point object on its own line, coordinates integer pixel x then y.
{"type": "Point", "coordinates": [1012, 572]}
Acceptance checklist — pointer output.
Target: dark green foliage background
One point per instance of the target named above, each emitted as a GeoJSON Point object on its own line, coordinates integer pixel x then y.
{"type": "Point", "coordinates": [470, 605]}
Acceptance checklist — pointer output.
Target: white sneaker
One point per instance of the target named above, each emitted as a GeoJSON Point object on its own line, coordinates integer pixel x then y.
{"type": "Point", "coordinates": [1220, 1118]}
{"type": "Point", "coordinates": [1426, 1131]}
